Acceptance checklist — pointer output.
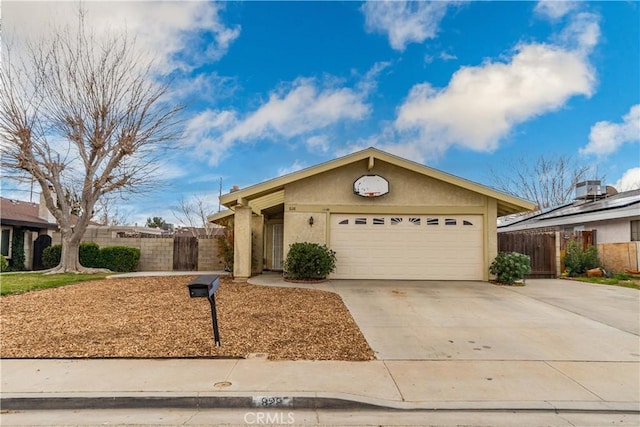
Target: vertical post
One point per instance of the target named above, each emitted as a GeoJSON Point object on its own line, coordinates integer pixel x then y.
{"type": "Point", "coordinates": [214, 319]}
{"type": "Point", "coordinates": [242, 243]}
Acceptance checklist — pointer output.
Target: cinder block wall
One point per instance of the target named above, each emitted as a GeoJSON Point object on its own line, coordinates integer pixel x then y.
{"type": "Point", "coordinates": [156, 254]}
{"type": "Point", "coordinates": [208, 258]}
{"type": "Point", "coordinates": [618, 257]}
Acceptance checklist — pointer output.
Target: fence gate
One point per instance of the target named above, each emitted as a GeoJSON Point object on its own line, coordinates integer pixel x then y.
{"type": "Point", "coordinates": [541, 248]}
{"type": "Point", "coordinates": [185, 253]}
{"type": "Point", "coordinates": [39, 245]}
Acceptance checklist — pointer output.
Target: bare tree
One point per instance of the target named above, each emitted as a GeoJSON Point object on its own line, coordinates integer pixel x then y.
{"type": "Point", "coordinates": [107, 212]}
{"type": "Point", "coordinates": [546, 180]}
{"type": "Point", "coordinates": [81, 116]}
{"type": "Point", "coordinates": [194, 214]}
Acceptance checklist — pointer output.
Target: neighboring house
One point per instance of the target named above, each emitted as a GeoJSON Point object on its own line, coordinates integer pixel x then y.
{"type": "Point", "coordinates": [385, 217]}
{"type": "Point", "coordinates": [614, 216]}
{"type": "Point", "coordinates": [36, 224]}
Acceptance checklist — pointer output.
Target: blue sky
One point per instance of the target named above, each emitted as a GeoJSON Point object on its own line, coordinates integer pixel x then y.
{"type": "Point", "coordinates": [465, 87]}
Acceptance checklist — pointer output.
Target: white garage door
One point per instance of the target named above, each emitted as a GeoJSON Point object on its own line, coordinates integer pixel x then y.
{"type": "Point", "coordinates": [410, 247]}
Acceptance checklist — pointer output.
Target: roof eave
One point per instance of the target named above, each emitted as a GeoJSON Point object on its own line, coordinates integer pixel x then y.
{"type": "Point", "coordinates": [507, 204]}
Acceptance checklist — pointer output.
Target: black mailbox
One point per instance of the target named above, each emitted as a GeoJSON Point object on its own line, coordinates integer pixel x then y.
{"type": "Point", "coordinates": [198, 290]}
{"type": "Point", "coordinates": [206, 286]}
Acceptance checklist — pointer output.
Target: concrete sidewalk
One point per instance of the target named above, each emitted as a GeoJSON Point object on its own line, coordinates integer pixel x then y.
{"type": "Point", "coordinates": [256, 383]}
{"type": "Point", "coordinates": [464, 384]}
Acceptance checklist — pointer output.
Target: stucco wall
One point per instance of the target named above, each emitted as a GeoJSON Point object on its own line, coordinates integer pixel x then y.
{"type": "Point", "coordinates": [614, 231]}
{"type": "Point", "coordinates": [297, 228]}
{"type": "Point", "coordinates": [406, 188]}
{"type": "Point", "coordinates": [409, 192]}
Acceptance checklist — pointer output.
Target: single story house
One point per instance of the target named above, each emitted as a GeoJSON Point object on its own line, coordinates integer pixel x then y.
{"type": "Point", "coordinates": [386, 217]}
{"type": "Point", "coordinates": [615, 218]}
{"type": "Point", "coordinates": [31, 219]}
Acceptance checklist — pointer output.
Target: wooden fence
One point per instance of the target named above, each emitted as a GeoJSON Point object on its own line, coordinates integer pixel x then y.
{"type": "Point", "coordinates": [546, 249]}
{"type": "Point", "coordinates": [541, 248]}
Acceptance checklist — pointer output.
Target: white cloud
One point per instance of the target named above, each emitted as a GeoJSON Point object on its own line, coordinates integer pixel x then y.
{"type": "Point", "coordinates": [209, 87]}
{"type": "Point", "coordinates": [369, 82]}
{"type": "Point", "coordinates": [404, 22]}
{"type": "Point", "coordinates": [582, 32]}
{"type": "Point", "coordinates": [554, 9]}
{"type": "Point", "coordinates": [630, 180]}
{"type": "Point", "coordinates": [318, 143]}
{"type": "Point", "coordinates": [482, 104]}
{"type": "Point", "coordinates": [169, 32]}
{"type": "Point", "coordinates": [606, 137]}
{"type": "Point", "coordinates": [298, 110]}
{"type": "Point", "coordinates": [301, 109]}
{"type": "Point", "coordinates": [296, 166]}
{"type": "Point", "coordinates": [445, 56]}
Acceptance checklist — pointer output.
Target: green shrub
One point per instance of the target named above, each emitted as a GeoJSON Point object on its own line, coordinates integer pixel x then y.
{"type": "Point", "coordinates": [577, 261]}
{"type": "Point", "coordinates": [17, 250]}
{"type": "Point", "coordinates": [120, 258]}
{"type": "Point", "coordinates": [4, 265]}
{"type": "Point", "coordinates": [225, 245]}
{"type": "Point", "coordinates": [90, 255]}
{"type": "Point", "coordinates": [309, 261]}
{"type": "Point", "coordinates": [51, 256]}
{"type": "Point", "coordinates": [510, 267]}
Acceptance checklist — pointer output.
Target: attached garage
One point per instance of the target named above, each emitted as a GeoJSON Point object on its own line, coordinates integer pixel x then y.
{"type": "Point", "coordinates": [410, 247]}
{"type": "Point", "coordinates": [385, 217]}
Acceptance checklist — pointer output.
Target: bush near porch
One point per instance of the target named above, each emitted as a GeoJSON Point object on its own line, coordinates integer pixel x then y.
{"type": "Point", "coordinates": [309, 261]}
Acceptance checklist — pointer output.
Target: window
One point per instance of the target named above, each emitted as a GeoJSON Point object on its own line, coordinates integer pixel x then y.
{"type": "Point", "coordinates": [415, 221]}
{"type": "Point", "coordinates": [361, 221]}
{"type": "Point", "coordinates": [378, 221]}
{"type": "Point", "coordinates": [396, 221]}
{"type": "Point", "coordinates": [635, 231]}
{"type": "Point", "coordinates": [344, 222]}
{"type": "Point", "coordinates": [450, 221]}
{"type": "Point", "coordinates": [6, 242]}
{"type": "Point", "coordinates": [433, 221]}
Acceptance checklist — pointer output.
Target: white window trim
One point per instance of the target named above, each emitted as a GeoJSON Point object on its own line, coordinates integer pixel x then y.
{"type": "Point", "coordinates": [9, 252]}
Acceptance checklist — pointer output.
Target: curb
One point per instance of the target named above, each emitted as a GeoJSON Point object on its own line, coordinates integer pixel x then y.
{"type": "Point", "coordinates": [303, 402]}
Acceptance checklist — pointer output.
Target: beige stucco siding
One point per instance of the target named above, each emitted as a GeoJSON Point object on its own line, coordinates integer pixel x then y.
{"type": "Point", "coordinates": [409, 192]}
{"type": "Point", "coordinates": [325, 192]}
{"type": "Point", "coordinates": [406, 188]}
{"type": "Point", "coordinates": [297, 228]}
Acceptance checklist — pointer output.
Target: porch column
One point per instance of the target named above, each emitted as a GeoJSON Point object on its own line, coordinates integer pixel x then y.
{"type": "Point", "coordinates": [242, 243]}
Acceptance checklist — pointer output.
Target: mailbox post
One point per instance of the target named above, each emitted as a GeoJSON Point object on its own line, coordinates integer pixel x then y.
{"type": "Point", "coordinates": [206, 286]}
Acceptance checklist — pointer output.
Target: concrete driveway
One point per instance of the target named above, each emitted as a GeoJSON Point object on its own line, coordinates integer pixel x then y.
{"type": "Point", "coordinates": [550, 320]}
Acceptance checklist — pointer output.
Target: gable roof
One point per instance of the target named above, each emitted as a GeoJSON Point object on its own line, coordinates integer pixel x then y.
{"type": "Point", "coordinates": [271, 193]}
{"type": "Point", "coordinates": [622, 205]}
{"type": "Point", "coordinates": [22, 214]}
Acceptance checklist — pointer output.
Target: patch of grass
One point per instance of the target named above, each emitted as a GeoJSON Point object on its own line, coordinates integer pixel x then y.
{"type": "Point", "coordinates": [18, 283]}
{"type": "Point", "coordinates": [623, 280]}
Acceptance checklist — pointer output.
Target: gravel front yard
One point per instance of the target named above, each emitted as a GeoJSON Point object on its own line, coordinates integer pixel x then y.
{"type": "Point", "coordinates": [154, 317]}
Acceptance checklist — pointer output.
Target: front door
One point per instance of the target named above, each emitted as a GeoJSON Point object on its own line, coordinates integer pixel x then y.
{"type": "Point", "coordinates": [278, 247]}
